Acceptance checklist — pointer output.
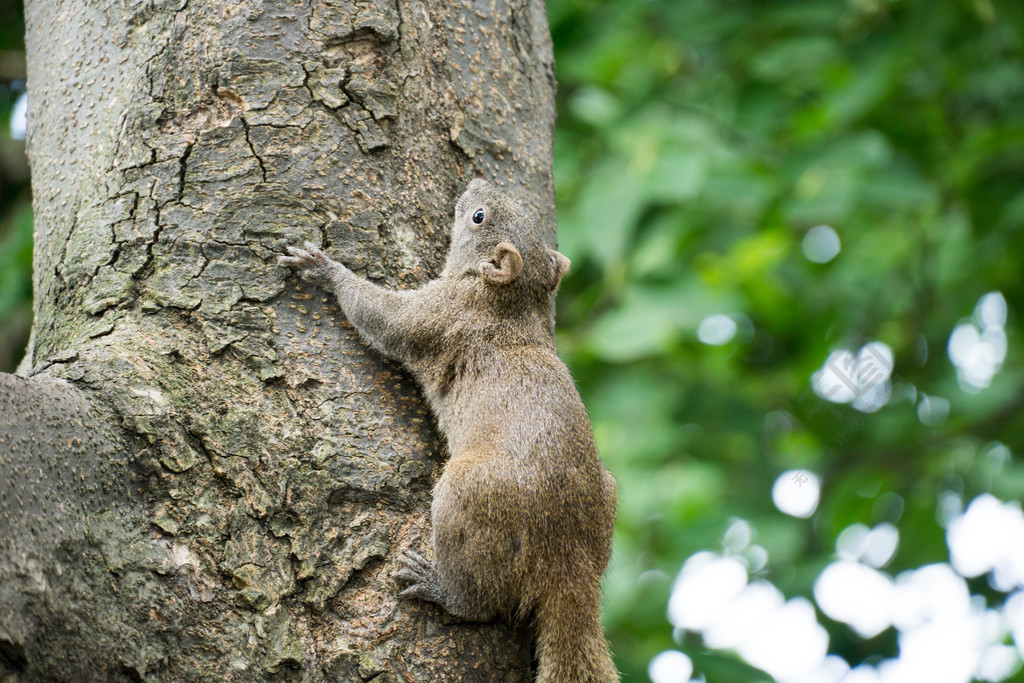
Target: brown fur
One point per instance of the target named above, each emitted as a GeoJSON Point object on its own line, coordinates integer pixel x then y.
{"type": "Point", "coordinates": [523, 513]}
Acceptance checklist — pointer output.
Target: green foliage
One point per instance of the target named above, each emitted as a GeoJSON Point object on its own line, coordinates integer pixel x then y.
{"type": "Point", "coordinates": [697, 144]}
{"type": "Point", "coordinates": [15, 203]}
{"type": "Point", "coordinates": [16, 264]}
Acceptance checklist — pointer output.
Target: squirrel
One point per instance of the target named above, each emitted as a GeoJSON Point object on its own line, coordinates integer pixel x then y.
{"type": "Point", "coordinates": [522, 514]}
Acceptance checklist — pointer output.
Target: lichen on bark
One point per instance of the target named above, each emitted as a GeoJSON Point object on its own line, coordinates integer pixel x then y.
{"type": "Point", "coordinates": [247, 472]}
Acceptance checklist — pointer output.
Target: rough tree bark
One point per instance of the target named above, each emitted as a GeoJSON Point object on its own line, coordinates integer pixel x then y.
{"type": "Point", "coordinates": [206, 475]}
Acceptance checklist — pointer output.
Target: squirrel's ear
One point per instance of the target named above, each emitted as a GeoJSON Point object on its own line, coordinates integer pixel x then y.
{"type": "Point", "coordinates": [504, 267]}
{"type": "Point", "coordinates": [559, 267]}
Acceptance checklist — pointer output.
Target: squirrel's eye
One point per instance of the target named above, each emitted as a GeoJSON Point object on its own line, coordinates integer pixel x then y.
{"type": "Point", "coordinates": [479, 215]}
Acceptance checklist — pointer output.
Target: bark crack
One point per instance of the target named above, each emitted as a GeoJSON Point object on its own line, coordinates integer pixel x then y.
{"type": "Point", "coordinates": [248, 140]}
{"type": "Point", "coordinates": [182, 169]}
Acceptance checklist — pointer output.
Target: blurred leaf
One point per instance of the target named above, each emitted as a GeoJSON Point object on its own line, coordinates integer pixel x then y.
{"type": "Point", "coordinates": [606, 212]}
{"type": "Point", "coordinates": [650, 317]}
{"type": "Point", "coordinates": [16, 263]}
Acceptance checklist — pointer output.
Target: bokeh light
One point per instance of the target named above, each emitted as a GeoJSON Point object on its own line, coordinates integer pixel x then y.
{"type": "Point", "coordinates": [875, 547]}
{"type": "Point", "coordinates": [19, 120]}
{"type": "Point", "coordinates": [861, 379]}
{"type": "Point", "coordinates": [932, 410]}
{"type": "Point", "coordinates": [670, 666]}
{"type": "Point", "coordinates": [989, 537]}
{"type": "Point", "coordinates": [943, 632]}
{"type": "Point", "coordinates": [977, 348]}
{"type": "Point", "coordinates": [857, 595]}
{"type": "Point", "coordinates": [706, 584]}
{"type": "Point", "coordinates": [716, 330]}
{"type": "Point", "coordinates": [821, 244]}
{"type": "Point", "coordinates": [711, 596]}
{"type": "Point", "coordinates": [796, 492]}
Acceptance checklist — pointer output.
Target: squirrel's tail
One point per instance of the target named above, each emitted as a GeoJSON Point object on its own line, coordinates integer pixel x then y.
{"type": "Point", "coordinates": [570, 641]}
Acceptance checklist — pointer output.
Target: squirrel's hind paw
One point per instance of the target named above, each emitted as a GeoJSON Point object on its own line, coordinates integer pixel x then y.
{"type": "Point", "coordinates": [418, 573]}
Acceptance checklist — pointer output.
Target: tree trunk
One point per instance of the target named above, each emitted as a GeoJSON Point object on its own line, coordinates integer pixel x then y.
{"type": "Point", "coordinates": [207, 475]}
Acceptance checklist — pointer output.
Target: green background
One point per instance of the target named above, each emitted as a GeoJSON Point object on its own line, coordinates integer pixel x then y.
{"type": "Point", "coordinates": [15, 199]}
{"type": "Point", "coordinates": [697, 143]}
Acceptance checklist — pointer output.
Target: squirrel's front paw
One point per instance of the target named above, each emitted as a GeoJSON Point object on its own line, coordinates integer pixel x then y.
{"type": "Point", "coordinates": [312, 264]}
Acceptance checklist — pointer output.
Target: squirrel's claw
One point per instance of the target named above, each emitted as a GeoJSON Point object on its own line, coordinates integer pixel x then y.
{"type": "Point", "coordinates": [414, 569]}
{"type": "Point", "coordinates": [417, 572]}
{"type": "Point", "coordinates": [417, 591]}
{"type": "Point", "coordinates": [306, 259]}
{"type": "Point", "coordinates": [290, 261]}
{"type": "Point", "coordinates": [407, 576]}
{"type": "Point", "coordinates": [416, 562]}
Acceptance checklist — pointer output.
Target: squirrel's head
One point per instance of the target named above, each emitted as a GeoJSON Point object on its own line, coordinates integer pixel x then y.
{"type": "Point", "coordinates": [497, 240]}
